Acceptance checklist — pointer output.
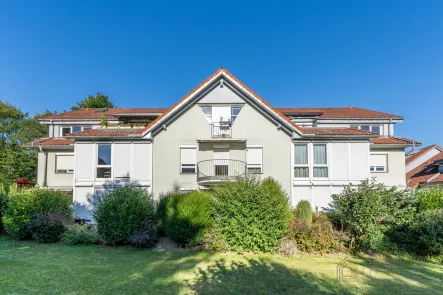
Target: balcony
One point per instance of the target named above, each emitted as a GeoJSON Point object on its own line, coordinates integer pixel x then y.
{"type": "Point", "coordinates": [222, 129]}
{"type": "Point", "coordinates": [216, 171]}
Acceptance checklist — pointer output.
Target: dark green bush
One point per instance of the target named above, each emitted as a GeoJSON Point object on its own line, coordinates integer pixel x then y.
{"type": "Point", "coordinates": [303, 212]}
{"type": "Point", "coordinates": [4, 194]}
{"type": "Point", "coordinates": [22, 206]}
{"type": "Point", "coordinates": [250, 214]}
{"type": "Point", "coordinates": [369, 211]}
{"type": "Point", "coordinates": [320, 236]}
{"type": "Point", "coordinates": [81, 234]}
{"type": "Point", "coordinates": [145, 237]}
{"type": "Point", "coordinates": [46, 228]}
{"type": "Point", "coordinates": [161, 211]}
{"type": "Point", "coordinates": [430, 198]}
{"type": "Point", "coordinates": [424, 235]}
{"type": "Point", "coordinates": [188, 216]}
{"type": "Point", "coordinates": [122, 211]}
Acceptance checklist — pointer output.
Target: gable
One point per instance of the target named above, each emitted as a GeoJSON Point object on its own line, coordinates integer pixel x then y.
{"type": "Point", "coordinates": [222, 94]}
{"type": "Point", "coordinates": [222, 77]}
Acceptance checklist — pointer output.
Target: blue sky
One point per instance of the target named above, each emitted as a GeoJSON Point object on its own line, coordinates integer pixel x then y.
{"type": "Point", "coordinates": [381, 55]}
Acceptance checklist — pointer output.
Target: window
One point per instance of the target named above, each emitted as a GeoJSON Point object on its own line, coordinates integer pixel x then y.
{"type": "Point", "coordinates": [234, 113]}
{"type": "Point", "coordinates": [104, 161]}
{"type": "Point", "coordinates": [188, 159]}
{"type": "Point", "coordinates": [64, 163]}
{"type": "Point", "coordinates": [207, 111]}
{"type": "Point", "coordinates": [66, 130]}
{"type": "Point", "coordinates": [371, 128]}
{"type": "Point", "coordinates": [301, 167]}
{"type": "Point", "coordinates": [378, 163]}
{"type": "Point", "coordinates": [320, 161]}
{"type": "Point", "coordinates": [254, 160]}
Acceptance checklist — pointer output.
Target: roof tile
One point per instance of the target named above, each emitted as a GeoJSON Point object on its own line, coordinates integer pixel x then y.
{"type": "Point", "coordinates": [394, 140]}
{"type": "Point", "coordinates": [93, 113]}
{"type": "Point", "coordinates": [341, 113]}
{"type": "Point", "coordinates": [338, 131]}
{"type": "Point", "coordinates": [104, 132]}
{"type": "Point", "coordinates": [422, 174]}
{"type": "Point", "coordinates": [49, 142]}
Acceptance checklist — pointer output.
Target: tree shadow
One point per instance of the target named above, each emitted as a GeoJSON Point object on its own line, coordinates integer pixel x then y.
{"type": "Point", "coordinates": [263, 276]}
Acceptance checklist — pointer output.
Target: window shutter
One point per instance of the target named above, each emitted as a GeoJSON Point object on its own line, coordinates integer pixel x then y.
{"type": "Point", "coordinates": [188, 156]}
{"type": "Point", "coordinates": [65, 162]}
{"type": "Point", "coordinates": [254, 156]}
{"type": "Point", "coordinates": [378, 160]}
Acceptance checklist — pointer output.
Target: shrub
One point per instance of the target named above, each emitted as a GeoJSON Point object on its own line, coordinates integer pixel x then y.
{"type": "Point", "coordinates": [187, 217]}
{"type": "Point", "coordinates": [22, 206]}
{"type": "Point", "coordinates": [303, 212]}
{"type": "Point", "coordinates": [122, 211]}
{"type": "Point", "coordinates": [250, 214]}
{"type": "Point", "coordinates": [425, 234]}
{"type": "Point", "coordinates": [145, 237]}
{"type": "Point", "coordinates": [4, 194]}
{"type": "Point", "coordinates": [370, 210]}
{"type": "Point", "coordinates": [46, 228]}
{"type": "Point", "coordinates": [161, 211]}
{"type": "Point", "coordinates": [430, 198]}
{"type": "Point", "coordinates": [81, 234]}
{"type": "Point", "coordinates": [319, 237]}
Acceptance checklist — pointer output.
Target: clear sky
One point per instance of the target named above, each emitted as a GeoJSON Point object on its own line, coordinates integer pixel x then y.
{"type": "Point", "coordinates": [381, 55]}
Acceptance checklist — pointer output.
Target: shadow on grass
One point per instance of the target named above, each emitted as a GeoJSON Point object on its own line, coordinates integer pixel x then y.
{"type": "Point", "coordinates": [262, 276]}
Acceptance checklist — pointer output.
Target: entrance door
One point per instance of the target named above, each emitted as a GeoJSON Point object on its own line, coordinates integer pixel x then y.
{"type": "Point", "coordinates": [221, 162]}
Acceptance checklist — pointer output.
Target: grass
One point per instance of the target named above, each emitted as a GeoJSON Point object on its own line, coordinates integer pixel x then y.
{"type": "Point", "coordinates": [29, 268]}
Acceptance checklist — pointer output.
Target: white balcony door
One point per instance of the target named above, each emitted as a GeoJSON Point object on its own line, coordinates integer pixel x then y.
{"type": "Point", "coordinates": [221, 162]}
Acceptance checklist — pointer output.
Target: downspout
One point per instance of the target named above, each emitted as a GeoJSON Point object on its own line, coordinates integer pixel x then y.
{"type": "Point", "coordinates": [45, 170]}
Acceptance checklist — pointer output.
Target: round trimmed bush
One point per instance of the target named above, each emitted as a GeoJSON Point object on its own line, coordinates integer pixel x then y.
{"type": "Point", "coordinates": [303, 212]}
{"type": "Point", "coordinates": [250, 214]}
{"type": "Point", "coordinates": [122, 211]}
{"type": "Point", "coordinates": [23, 205]}
{"type": "Point", "coordinates": [187, 217]}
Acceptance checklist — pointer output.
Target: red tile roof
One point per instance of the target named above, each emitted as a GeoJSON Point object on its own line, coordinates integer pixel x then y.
{"type": "Point", "coordinates": [93, 113]}
{"type": "Point", "coordinates": [49, 142]}
{"type": "Point", "coordinates": [341, 113]}
{"type": "Point", "coordinates": [338, 131]}
{"type": "Point", "coordinates": [422, 174]}
{"type": "Point", "coordinates": [235, 79]}
{"type": "Point", "coordinates": [104, 132]}
{"type": "Point", "coordinates": [422, 152]}
{"type": "Point", "coordinates": [394, 140]}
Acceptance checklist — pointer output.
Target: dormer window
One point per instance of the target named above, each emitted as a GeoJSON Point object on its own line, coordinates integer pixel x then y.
{"type": "Point", "coordinates": [67, 130]}
{"type": "Point", "coordinates": [371, 128]}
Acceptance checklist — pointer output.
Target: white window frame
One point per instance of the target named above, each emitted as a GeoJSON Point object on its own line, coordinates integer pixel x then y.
{"type": "Point", "coordinates": [83, 128]}
{"type": "Point", "coordinates": [187, 165]}
{"type": "Point", "coordinates": [370, 127]}
{"type": "Point", "coordinates": [260, 165]}
{"type": "Point", "coordinates": [302, 165]}
{"type": "Point", "coordinates": [320, 165]}
{"type": "Point", "coordinates": [69, 171]}
{"type": "Point", "coordinates": [97, 165]}
{"type": "Point", "coordinates": [373, 169]}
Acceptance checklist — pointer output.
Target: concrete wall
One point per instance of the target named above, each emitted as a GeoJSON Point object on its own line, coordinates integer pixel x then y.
{"type": "Point", "coordinates": [191, 126]}
{"type": "Point", "coordinates": [396, 172]}
{"type": "Point", "coordinates": [63, 181]}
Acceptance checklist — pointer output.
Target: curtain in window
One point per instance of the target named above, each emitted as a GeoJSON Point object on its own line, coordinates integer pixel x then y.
{"type": "Point", "coordinates": [321, 172]}
{"type": "Point", "coordinates": [320, 154]}
{"type": "Point", "coordinates": [301, 172]}
{"type": "Point", "coordinates": [301, 154]}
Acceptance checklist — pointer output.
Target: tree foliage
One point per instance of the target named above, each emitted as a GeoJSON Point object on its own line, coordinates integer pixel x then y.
{"type": "Point", "coordinates": [99, 101]}
{"type": "Point", "coordinates": [16, 129]}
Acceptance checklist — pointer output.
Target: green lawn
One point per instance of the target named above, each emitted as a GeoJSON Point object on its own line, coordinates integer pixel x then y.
{"type": "Point", "coordinates": [29, 268]}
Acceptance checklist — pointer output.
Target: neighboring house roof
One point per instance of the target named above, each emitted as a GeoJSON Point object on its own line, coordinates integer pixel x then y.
{"type": "Point", "coordinates": [425, 173]}
{"type": "Point", "coordinates": [421, 152]}
{"type": "Point", "coordinates": [338, 113]}
{"type": "Point", "coordinates": [49, 142]}
{"type": "Point", "coordinates": [96, 113]}
{"type": "Point", "coordinates": [221, 70]}
{"type": "Point", "coordinates": [104, 132]}
{"type": "Point", "coordinates": [338, 131]}
{"type": "Point", "coordinates": [394, 141]}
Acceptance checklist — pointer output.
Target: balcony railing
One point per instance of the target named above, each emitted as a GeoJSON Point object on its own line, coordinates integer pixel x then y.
{"type": "Point", "coordinates": [221, 129]}
{"type": "Point", "coordinates": [213, 171]}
